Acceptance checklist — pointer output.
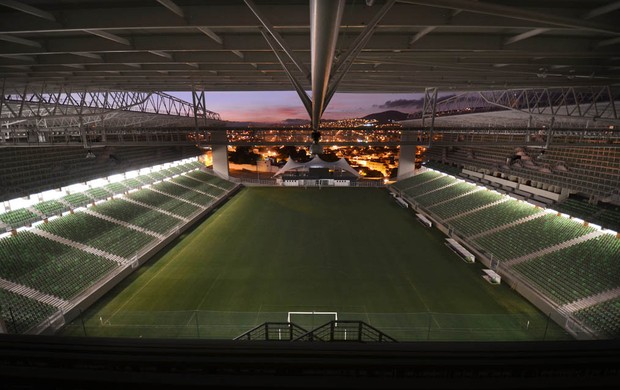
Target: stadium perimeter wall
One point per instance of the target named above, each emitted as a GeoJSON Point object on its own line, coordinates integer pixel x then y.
{"type": "Point", "coordinates": [95, 292]}
{"type": "Point", "coordinates": [516, 283]}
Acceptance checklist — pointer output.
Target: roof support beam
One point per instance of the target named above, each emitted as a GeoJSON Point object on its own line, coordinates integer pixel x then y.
{"type": "Point", "coordinates": [345, 63]}
{"type": "Point", "coordinates": [160, 53]}
{"type": "Point", "coordinates": [605, 9]}
{"type": "Point", "coordinates": [109, 36]}
{"type": "Point", "coordinates": [278, 38]}
{"type": "Point", "coordinates": [88, 55]}
{"type": "Point", "coordinates": [28, 9]}
{"type": "Point", "coordinates": [516, 13]}
{"type": "Point", "coordinates": [525, 35]}
{"type": "Point", "coordinates": [422, 33]}
{"type": "Point", "coordinates": [325, 17]}
{"type": "Point", "coordinates": [172, 7]}
{"type": "Point", "coordinates": [19, 41]}
{"type": "Point", "coordinates": [607, 42]}
{"type": "Point", "coordinates": [296, 84]}
{"type": "Point", "coordinates": [208, 32]}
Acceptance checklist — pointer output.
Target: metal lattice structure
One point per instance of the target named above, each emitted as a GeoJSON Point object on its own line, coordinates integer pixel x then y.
{"type": "Point", "coordinates": [175, 45]}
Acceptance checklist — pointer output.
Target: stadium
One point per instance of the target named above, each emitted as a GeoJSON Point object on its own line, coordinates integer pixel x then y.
{"type": "Point", "coordinates": [133, 249]}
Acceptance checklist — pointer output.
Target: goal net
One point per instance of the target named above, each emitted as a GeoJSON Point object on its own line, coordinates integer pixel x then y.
{"type": "Point", "coordinates": [311, 319]}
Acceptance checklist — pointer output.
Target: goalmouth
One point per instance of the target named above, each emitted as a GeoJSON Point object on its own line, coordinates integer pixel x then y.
{"type": "Point", "coordinates": [311, 319]}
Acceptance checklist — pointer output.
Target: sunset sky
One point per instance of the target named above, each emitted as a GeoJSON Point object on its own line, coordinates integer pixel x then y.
{"type": "Point", "coordinates": [276, 106]}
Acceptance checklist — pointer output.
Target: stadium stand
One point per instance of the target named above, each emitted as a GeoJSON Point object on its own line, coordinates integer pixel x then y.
{"type": "Point", "coordinates": [19, 217]}
{"type": "Point", "coordinates": [466, 203]}
{"type": "Point", "coordinates": [445, 194]}
{"type": "Point", "coordinates": [98, 193]}
{"type": "Point", "coordinates": [449, 169]}
{"type": "Point", "coordinates": [116, 188]}
{"type": "Point", "coordinates": [493, 217]}
{"type": "Point", "coordinates": [531, 236]}
{"type": "Point", "coordinates": [98, 233]}
{"type": "Point", "coordinates": [182, 192]}
{"type": "Point", "coordinates": [416, 191]}
{"type": "Point", "coordinates": [164, 202]}
{"type": "Point", "coordinates": [197, 184]}
{"type": "Point", "coordinates": [21, 313]}
{"type": "Point", "coordinates": [604, 316]}
{"type": "Point", "coordinates": [77, 200]}
{"type": "Point", "coordinates": [50, 208]}
{"type": "Point", "coordinates": [132, 183]}
{"type": "Point", "coordinates": [156, 176]}
{"type": "Point", "coordinates": [213, 180]}
{"type": "Point", "coordinates": [137, 215]}
{"type": "Point", "coordinates": [609, 218]}
{"type": "Point", "coordinates": [416, 180]}
{"type": "Point", "coordinates": [49, 266]}
{"type": "Point", "coordinates": [578, 271]}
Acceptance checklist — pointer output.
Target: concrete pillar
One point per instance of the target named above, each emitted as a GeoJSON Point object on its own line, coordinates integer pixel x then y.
{"type": "Point", "coordinates": [406, 162]}
{"type": "Point", "coordinates": [220, 154]}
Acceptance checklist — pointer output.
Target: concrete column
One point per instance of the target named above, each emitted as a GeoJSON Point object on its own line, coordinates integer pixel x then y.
{"type": "Point", "coordinates": [220, 154]}
{"type": "Point", "coordinates": [406, 162]}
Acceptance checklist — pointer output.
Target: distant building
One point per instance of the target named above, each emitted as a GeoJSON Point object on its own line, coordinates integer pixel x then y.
{"type": "Point", "coordinates": [316, 172]}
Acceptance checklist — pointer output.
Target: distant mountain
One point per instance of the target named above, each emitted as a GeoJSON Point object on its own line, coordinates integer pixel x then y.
{"type": "Point", "coordinates": [295, 121]}
{"type": "Point", "coordinates": [387, 116]}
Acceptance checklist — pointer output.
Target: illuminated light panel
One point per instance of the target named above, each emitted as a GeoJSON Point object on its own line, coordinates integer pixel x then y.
{"type": "Point", "coordinates": [97, 182]}
{"type": "Point", "coordinates": [132, 174]}
{"type": "Point", "coordinates": [116, 178]}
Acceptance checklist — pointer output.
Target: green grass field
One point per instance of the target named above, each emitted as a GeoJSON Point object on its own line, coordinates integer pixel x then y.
{"type": "Point", "coordinates": [354, 251]}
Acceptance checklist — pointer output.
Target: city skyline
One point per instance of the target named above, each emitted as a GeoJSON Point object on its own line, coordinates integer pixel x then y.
{"type": "Point", "coordinates": [277, 106]}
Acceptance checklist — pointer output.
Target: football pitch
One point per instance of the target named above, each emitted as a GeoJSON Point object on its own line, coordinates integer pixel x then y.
{"type": "Point", "coordinates": [350, 251]}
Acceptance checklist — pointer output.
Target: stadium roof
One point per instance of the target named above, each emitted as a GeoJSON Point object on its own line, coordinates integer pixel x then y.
{"type": "Point", "coordinates": [226, 45]}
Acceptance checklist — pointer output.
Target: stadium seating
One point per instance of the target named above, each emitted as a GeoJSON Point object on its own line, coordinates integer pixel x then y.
{"type": "Point", "coordinates": [49, 266]}
{"type": "Point", "coordinates": [578, 271]}
{"type": "Point", "coordinates": [158, 175]}
{"type": "Point", "coordinates": [19, 217]}
{"type": "Point", "coordinates": [423, 189]}
{"type": "Point", "coordinates": [77, 200]}
{"type": "Point", "coordinates": [609, 218]}
{"type": "Point", "coordinates": [132, 183]}
{"type": "Point", "coordinates": [25, 311]}
{"type": "Point", "coordinates": [416, 180]}
{"type": "Point", "coordinates": [219, 182]}
{"type": "Point", "coordinates": [213, 180]}
{"type": "Point", "coordinates": [145, 179]}
{"type": "Point", "coordinates": [532, 236]}
{"type": "Point", "coordinates": [98, 233]}
{"type": "Point", "coordinates": [98, 193]}
{"type": "Point", "coordinates": [116, 188]}
{"type": "Point", "coordinates": [50, 207]}
{"type": "Point", "coordinates": [492, 217]}
{"type": "Point", "coordinates": [177, 170]}
{"type": "Point", "coordinates": [577, 208]}
{"type": "Point", "coordinates": [444, 194]}
{"type": "Point", "coordinates": [465, 203]}
{"type": "Point", "coordinates": [182, 192]}
{"type": "Point", "coordinates": [604, 317]}
{"type": "Point", "coordinates": [443, 168]}
{"type": "Point", "coordinates": [137, 215]}
{"type": "Point", "coordinates": [200, 186]}
{"type": "Point", "coordinates": [163, 202]}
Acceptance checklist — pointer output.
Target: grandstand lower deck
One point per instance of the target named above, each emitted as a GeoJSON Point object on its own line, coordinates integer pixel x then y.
{"type": "Point", "coordinates": [566, 261]}
{"type": "Point", "coordinates": [48, 270]}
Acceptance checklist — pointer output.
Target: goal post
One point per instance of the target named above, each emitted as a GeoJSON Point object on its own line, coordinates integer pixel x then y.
{"type": "Point", "coordinates": [311, 319]}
